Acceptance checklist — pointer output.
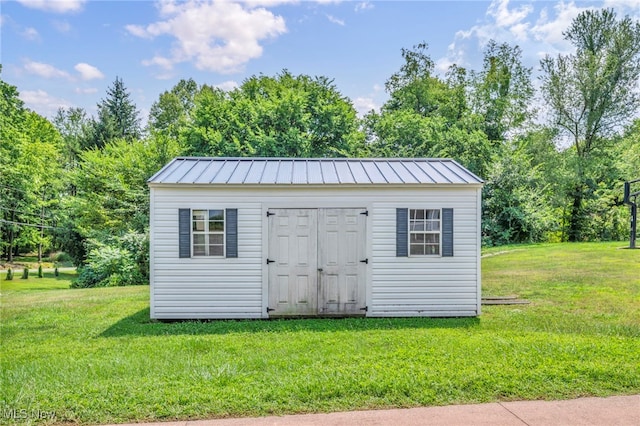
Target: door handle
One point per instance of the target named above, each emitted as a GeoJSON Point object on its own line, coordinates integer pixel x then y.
{"type": "Point", "coordinates": [320, 269]}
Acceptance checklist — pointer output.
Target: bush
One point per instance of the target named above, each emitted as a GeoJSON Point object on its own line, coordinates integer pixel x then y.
{"type": "Point", "coordinates": [109, 266]}
{"type": "Point", "coordinates": [40, 274]}
{"type": "Point", "coordinates": [60, 256]}
{"type": "Point", "coordinates": [9, 274]}
{"type": "Point", "coordinates": [25, 273]}
{"type": "Point", "coordinates": [56, 272]}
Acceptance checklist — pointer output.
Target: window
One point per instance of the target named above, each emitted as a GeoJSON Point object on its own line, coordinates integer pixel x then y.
{"type": "Point", "coordinates": [207, 227]}
{"type": "Point", "coordinates": [424, 232]}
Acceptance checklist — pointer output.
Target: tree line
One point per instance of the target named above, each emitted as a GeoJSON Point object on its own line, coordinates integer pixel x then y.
{"type": "Point", "coordinates": [77, 183]}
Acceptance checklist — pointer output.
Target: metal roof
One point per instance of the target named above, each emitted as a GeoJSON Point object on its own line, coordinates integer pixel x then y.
{"type": "Point", "coordinates": [313, 171]}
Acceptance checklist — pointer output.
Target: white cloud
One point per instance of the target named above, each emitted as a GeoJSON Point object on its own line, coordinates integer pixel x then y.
{"type": "Point", "coordinates": [85, 90]}
{"type": "Point", "coordinates": [363, 5]}
{"type": "Point", "coordinates": [549, 30]}
{"type": "Point", "coordinates": [88, 72]}
{"type": "Point", "coordinates": [215, 36]}
{"type": "Point", "coordinates": [30, 33]}
{"type": "Point", "coordinates": [227, 86]}
{"type": "Point", "coordinates": [56, 6]}
{"type": "Point", "coordinates": [44, 70]}
{"type": "Point", "coordinates": [335, 20]}
{"type": "Point", "coordinates": [364, 104]}
{"type": "Point", "coordinates": [42, 102]}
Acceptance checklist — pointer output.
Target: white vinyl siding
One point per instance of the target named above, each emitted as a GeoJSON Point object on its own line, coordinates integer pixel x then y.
{"type": "Point", "coordinates": [214, 287]}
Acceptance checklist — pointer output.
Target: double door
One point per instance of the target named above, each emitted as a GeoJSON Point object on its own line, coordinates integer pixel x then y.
{"type": "Point", "coordinates": [317, 262]}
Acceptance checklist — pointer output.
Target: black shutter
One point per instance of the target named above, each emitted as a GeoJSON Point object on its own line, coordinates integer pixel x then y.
{"type": "Point", "coordinates": [232, 232]}
{"type": "Point", "coordinates": [402, 229]}
{"type": "Point", "coordinates": [184, 233]}
{"type": "Point", "coordinates": [447, 232]}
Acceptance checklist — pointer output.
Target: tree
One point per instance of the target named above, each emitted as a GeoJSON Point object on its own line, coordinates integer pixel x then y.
{"type": "Point", "coordinates": [170, 113]}
{"type": "Point", "coordinates": [285, 115]}
{"type": "Point", "coordinates": [426, 116]}
{"type": "Point", "coordinates": [29, 175]}
{"type": "Point", "coordinates": [592, 93]}
{"type": "Point", "coordinates": [502, 90]}
{"type": "Point", "coordinates": [75, 128]}
{"type": "Point", "coordinates": [118, 117]}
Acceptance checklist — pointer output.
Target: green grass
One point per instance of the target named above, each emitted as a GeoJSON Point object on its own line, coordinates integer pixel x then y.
{"type": "Point", "coordinates": [93, 355]}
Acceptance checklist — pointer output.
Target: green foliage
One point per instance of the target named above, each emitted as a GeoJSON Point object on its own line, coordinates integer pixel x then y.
{"type": "Point", "coordinates": [592, 95]}
{"type": "Point", "coordinates": [25, 273]}
{"type": "Point", "coordinates": [578, 337]}
{"type": "Point", "coordinates": [9, 274]}
{"type": "Point", "coordinates": [282, 116]}
{"type": "Point", "coordinates": [502, 91]}
{"type": "Point", "coordinates": [40, 275]}
{"type": "Point", "coordinates": [118, 117]}
{"type": "Point", "coordinates": [116, 261]}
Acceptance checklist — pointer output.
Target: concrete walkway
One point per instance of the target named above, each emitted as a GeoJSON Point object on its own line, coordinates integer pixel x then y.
{"type": "Point", "coordinates": [612, 411]}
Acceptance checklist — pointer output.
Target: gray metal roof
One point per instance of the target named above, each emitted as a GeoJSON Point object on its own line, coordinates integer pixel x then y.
{"type": "Point", "coordinates": [313, 171]}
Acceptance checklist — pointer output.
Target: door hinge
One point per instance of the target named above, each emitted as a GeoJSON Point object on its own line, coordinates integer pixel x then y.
{"type": "Point", "coordinates": [366, 309]}
{"type": "Point", "coordinates": [365, 261]}
{"type": "Point", "coordinates": [270, 309]}
{"type": "Point", "coordinates": [270, 214]}
{"type": "Point", "coordinates": [270, 261]}
{"type": "Point", "coordinates": [366, 213]}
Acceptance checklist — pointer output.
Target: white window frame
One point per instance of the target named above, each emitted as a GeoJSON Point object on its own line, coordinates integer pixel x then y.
{"type": "Point", "coordinates": [425, 232]}
{"type": "Point", "coordinates": [207, 233]}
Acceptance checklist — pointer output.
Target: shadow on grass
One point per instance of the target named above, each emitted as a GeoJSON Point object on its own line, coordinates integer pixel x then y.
{"type": "Point", "coordinates": [139, 324]}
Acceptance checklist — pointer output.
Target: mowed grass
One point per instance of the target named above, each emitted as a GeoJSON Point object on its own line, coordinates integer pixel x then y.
{"type": "Point", "coordinates": [93, 355]}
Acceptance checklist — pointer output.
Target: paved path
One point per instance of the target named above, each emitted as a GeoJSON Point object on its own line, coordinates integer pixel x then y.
{"type": "Point", "coordinates": [612, 411]}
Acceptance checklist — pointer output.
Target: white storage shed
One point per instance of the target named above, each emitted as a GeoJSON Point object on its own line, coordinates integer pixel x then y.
{"type": "Point", "coordinates": [278, 237]}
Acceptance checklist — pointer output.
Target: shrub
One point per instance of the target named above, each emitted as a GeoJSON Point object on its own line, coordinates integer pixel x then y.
{"type": "Point", "coordinates": [109, 266]}
{"type": "Point", "coordinates": [60, 256]}
{"type": "Point", "coordinates": [9, 274]}
{"type": "Point", "coordinates": [40, 274]}
{"type": "Point", "coordinates": [25, 273]}
{"type": "Point", "coordinates": [56, 272]}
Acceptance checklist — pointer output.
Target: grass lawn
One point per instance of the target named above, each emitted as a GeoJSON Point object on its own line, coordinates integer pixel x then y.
{"type": "Point", "coordinates": [93, 355]}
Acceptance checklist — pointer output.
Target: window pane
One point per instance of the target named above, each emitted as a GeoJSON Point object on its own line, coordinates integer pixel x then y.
{"type": "Point", "coordinates": [433, 225]}
{"type": "Point", "coordinates": [417, 225]}
{"type": "Point", "coordinates": [216, 250]}
{"type": "Point", "coordinates": [216, 226]}
{"type": "Point", "coordinates": [198, 225]}
{"type": "Point", "coordinates": [217, 239]}
{"type": "Point", "coordinates": [417, 249]}
{"type": "Point", "coordinates": [432, 249]}
{"type": "Point", "coordinates": [198, 239]}
{"type": "Point", "coordinates": [198, 250]}
{"type": "Point", "coordinates": [417, 214]}
{"type": "Point", "coordinates": [432, 238]}
{"type": "Point", "coordinates": [216, 214]}
{"type": "Point", "coordinates": [417, 238]}
{"type": "Point", "coordinates": [199, 214]}
{"type": "Point", "coordinates": [433, 214]}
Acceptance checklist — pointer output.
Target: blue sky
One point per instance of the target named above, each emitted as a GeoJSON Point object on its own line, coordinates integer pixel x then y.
{"type": "Point", "coordinates": [66, 53]}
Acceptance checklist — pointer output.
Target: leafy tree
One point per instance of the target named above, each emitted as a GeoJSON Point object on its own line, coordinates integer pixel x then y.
{"type": "Point", "coordinates": [75, 128]}
{"type": "Point", "coordinates": [286, 115]}
{"type": "Point", "coordinates": [592, 93]}
{"type": "Point", "coordinates": [118, 117]}
{"type": "Point", "coordinates": [170, 113]}
{"type": "Point", "coordinates": [502, 90]}
{"type": "Point", "coordinates": [29, 174]}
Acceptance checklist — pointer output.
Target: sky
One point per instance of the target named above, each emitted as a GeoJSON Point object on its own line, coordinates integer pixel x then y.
{"type": "Point", "coordinates": [66, 53]}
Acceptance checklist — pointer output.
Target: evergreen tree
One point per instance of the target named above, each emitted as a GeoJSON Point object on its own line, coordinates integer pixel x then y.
{"type": "Point", "coordinates": [118, 116]}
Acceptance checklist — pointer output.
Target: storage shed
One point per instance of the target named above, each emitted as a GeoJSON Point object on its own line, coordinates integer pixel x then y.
{"type": "Point", "coordinates": [278, 237]}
